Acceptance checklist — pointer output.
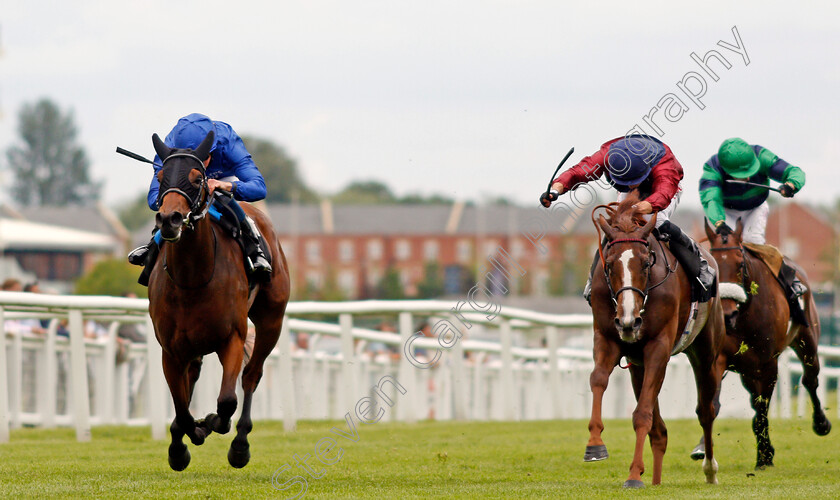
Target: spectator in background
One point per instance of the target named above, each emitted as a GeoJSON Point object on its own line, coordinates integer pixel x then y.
{"type": "Point", "coordinates": [301, 341]}
{"type": "Point", "coordinates": [22, 327]}
{"type": "Point", "coordinates": [130, 332]}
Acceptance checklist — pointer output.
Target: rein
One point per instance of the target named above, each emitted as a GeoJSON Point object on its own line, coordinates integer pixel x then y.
{"type": "Point", "coordinates": [212, 272]}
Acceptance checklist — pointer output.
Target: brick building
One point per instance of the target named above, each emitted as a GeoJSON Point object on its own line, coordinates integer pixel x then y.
{"type": "Point", "coordinates": [355, 245]}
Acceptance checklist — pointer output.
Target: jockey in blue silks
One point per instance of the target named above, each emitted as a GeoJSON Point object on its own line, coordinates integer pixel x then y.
{"type": "Point", "coordinates": [230, 169]}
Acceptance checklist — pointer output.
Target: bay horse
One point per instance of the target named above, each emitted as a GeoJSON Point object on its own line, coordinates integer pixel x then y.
{"type": "Point", "coordinates": [642, 310]}
{"type": "Point", "coordinates": [759, 328]}
{"type": "Point", "coordinates": [199, 302]}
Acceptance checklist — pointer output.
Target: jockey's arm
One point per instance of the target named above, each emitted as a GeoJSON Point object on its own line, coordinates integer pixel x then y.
{"type": "Point", "coordinates": [711, 195]}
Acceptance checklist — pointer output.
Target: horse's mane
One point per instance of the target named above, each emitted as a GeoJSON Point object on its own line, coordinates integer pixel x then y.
{"type": "Point", "coordinates": [624, 217]}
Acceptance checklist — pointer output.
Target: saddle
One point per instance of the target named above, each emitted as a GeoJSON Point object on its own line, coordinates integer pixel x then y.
{"type": "Point", "coordinates": [222, 215]}
{"type": "Point", "coordinates": [768, 254]}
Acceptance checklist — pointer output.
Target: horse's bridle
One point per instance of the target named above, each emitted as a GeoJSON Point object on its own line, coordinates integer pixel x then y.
{"type": "Point", "coordinates": [743, 271]}
{"type": "Point", "coordinates": [197, 212]}
{"type": "Point", "coordinates": [647, 265]}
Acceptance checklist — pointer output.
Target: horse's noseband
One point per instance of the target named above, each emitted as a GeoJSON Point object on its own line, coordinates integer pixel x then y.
{"type": "Point", "coordinates": [196, 212]}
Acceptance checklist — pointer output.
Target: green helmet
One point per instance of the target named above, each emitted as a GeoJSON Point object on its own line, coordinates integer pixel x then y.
{"type": "Point", "coordinates": [738, 158]}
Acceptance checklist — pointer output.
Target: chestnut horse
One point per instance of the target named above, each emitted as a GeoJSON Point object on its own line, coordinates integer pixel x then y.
{"type": "Point", "coordinates": [641, 310]}
{"type": "Point", "coordinates": [758, 330]}
{"type": "Point", "coordinates": [199, 302]}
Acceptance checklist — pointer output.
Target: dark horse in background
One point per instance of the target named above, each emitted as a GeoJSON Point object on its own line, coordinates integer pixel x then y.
{"type": "Point", "coordinates": [759, 328]}
{"type": "Point", "coordinates": [200, 302]}
{"type": "Point", "coordinates": [641, 309]}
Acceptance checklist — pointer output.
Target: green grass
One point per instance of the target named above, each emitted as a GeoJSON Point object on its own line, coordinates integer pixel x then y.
{"type": "Point", "coordinates": [444, 460]}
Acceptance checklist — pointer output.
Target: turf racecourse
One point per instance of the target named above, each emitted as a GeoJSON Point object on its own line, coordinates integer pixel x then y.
{"type": "Point", "coordinates": [428, 459]}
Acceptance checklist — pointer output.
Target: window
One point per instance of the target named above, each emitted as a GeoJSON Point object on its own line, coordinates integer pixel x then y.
{"type": "Point", "coordinates": [403, 250]}
{"type": "Point", "coordinates": [345, 251]}
{"type": "Point", "coordinates": [313, 251]}
{"type": "Point", "coordinates": [288, 249]}
{"type": "Point", "coordinates": [490, 247]}
{"type": "Point", "coordinates": [464, 250]}
{"type": "Point", "coordinates": [431, 249]}
{"type": "Point", "coordinates": [374, 249]}
{"type": "Point", "coordinates": [790, 247]}
{"type": "Point", "coordinates": [347, 283]}
{"type": "Point", "coordinates": [517, 250]}
{"type": "Point", "coordinates": [314, 279]}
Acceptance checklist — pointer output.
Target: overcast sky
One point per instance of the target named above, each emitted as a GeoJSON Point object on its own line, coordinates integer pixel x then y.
{"type": "Point", "coordinates": [466, 98]}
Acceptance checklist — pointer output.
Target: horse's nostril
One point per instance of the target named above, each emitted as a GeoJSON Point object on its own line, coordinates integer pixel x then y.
{"type": "Point", "coordinates": [618, 323]}
{"type": "Point", "coordinates": [158, 220]}
{"type": "Point", "coordinates": [176, 218]}
{"type": "Point", "coordinates": [637, 323]}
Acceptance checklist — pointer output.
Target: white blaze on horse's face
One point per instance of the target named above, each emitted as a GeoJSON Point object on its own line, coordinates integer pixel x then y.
{"type": "Point", "coordinates": [626, 301]}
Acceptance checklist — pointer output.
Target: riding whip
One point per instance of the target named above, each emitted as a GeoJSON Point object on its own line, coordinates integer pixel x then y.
{"type": "Point", "coordinates": [135, 156]}
{"type": "Point", "coordinates": [548, 189]}
{"type": "Point", "coordinates": [753, 184]}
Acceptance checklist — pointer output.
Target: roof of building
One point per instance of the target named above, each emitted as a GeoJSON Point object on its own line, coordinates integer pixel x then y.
{"type": "Point", "coordinates": [94, 218]}
{"type": "Point", "coordinates": [18, 234]}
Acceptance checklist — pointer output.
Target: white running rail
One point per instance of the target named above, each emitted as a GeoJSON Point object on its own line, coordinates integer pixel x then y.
{"type": "Point", "coordinates": [522, 365]}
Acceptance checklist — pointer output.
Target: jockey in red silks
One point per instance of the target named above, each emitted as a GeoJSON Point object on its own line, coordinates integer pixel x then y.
{"type": "Point", "coordinates": [229, 168]}
{"type": "Point", "coordinates": [644, 163]}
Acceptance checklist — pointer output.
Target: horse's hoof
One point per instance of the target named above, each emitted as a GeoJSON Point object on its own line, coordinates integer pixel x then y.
{"type": "Point", "coordinates": [214, 423]}
{"type": "Point", "coordinates": [633, 483]}
{"type": "Point", "coordinates": [238, 458]}
{"type": "Point", "coordinates": [198, 436]}
{"type": "Point", "coordinates": [822, 428]}
{"type": "Point", "coordinates": [595, 453]}
{"type": "Point", "coordinates": [179, 462]}
{"type": "Point", "coordinates": [763, 466]}
{"type": "Point", "coordinates": [699, 452]}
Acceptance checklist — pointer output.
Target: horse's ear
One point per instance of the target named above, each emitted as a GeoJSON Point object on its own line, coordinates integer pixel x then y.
{"type": "Point", "coordinates": [710, 231]}
{"type": "Point", "coordinates": [739, 229]}
{"type": "Point", "coordinates": [608, 230]}
{"type": "Point", "coordinates": [161, 149]}
{"type": "Point", "coordinates": [203, 149]}
{"type": "Point", "coordinates": [648, 227]}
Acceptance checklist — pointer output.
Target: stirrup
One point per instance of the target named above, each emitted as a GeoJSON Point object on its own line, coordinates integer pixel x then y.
{"type": "Point", "coordinates": [798, 288]}
{"type": "Point", "coordinates": [137, 256]}
{"type": "Point", "coordinates": [587, 291]}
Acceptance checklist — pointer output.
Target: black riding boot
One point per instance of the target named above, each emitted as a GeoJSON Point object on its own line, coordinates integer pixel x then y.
{"type": "Point", "coordinates": [688, 253]}
{"type": "Point", "coordinates": [260, 267]}
{"type": "Point", "coordinates": [793, 290]}
{"type": "Point", "coordinates": [149, 258]}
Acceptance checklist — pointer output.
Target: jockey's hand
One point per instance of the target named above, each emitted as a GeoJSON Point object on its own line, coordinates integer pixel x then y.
{"type": "Point", "coordinates": [547, 198]}
{"type": "Point", "coordinates": [787, 190]}
{"type": "Point", "coordinates": [556, 190]}
{"type": "Point", "coordinates": [213, 184]}
{"type": "Point", "coordinates": [723, 229]}
{"type": "Point", "coordinates": [643, 207]}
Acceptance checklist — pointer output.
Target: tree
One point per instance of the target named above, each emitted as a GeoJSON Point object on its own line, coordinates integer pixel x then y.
{"type": "Point", "coordinates": [50, 168]}
{"type": "Point", "coordinates": [365, 192]}
{"type": "Point", "coordinates": [135, 214]}
{"type": "Point", "coordinates": [110, 277]}
{"type": "Point", "coordinates": [390, 287]}
{"type": "Point", "coordinates": [432, 284]}
{"type": "Point", "coordinates": [280, 171]}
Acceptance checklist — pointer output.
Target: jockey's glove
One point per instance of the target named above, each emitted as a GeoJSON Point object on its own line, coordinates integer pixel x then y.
{"type": "Point", "coordinates": [723, 229]}
{"type": "Point", "coordinates": [547, 197]}
{"type": "Point", "coordinates": [786, 190]}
